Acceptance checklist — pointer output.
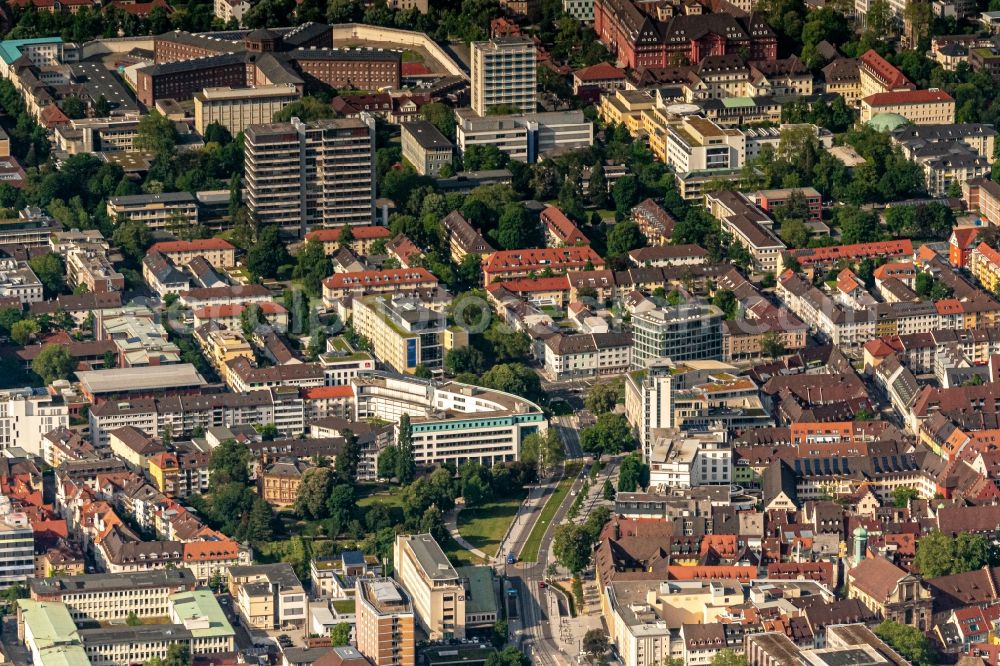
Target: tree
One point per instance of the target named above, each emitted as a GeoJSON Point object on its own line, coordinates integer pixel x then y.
{"type": "Point", "coordinates": [23, 331]}
{"type": "Point", "coordinates": [132, 619]}
{"type": "Point", "coordinates": [726, 301]}
{"type": "Point", "coordinates": [50, 270]}
{"type": "Point", "coordinates": [517, 229]}
{"type": "Point", "coordinates": [543, 451]}
{"type": "Point", "coordinates": [603, 397]}
{"type": "Point", "coordinates": [441, 116]}
{"type": "Point", "coordinates": [940, 555]}
{"type": "Point", "coordinates": [110, 360]}
{"type": "Point", "coordinates": [625, 194]}
{"type": "Point", "coordinates": [340, 635]}
{"type": "Point", "coordinates": [178, 654]}
{"type": "Point", "coordinates": [728, 658]}
{"type": "Point", "coordinates": [908, 641]}
{"type": "Point", "coordinates": [260, 522]}
{"type": "Point", "coordinates": [423, 372]}
{"type": "Point", "coordinates": [340, 504]}
{"type": "Point", "coordinates": [53, 362]}
{"type": "Point", "coordinates": [349, 459]}
{"type": "Point", "coordinates": [506, 343]}
{"type": "Point", "coordinates": [572, 546]}
{"type": "Point", "coordinates": [229, 463]}
{"type": "Point", "coordinates": [595, 645]}
{"type": "Point", "coordinates": [102, 108]}
{"type": "Point", "coordinates": [310, 502]}
{"type": "Point", "coordinates": [513, 378]}
{"type": "Point", "coordinates": [597, 187]}
{"type": "Point", "coordinates": [312, 266]}
{"type": "Point", "coordinates": [633, 474]}
{"type": "Point", "coordinates": [608, 490]}
{"type": "Point", "coordinates": [156, 133]}
{"type": "Point", "coordinates": [624, 237]}
{"type": "Point", "coordinates": [794, 232]}
{"type": "Point", "coordinates": [610, 435]}
{"type": "Point", "coordinates": [268, 254]}
{"type": "Point", "coordinates": [772, 346]}
{"type": "Point", "coordinates": [464, 359]}
{"type": "Point", "coordinates": [134, 238]}
{"type": "Point", "coordinates": [902, 496]}
{"type": "Point", "coordinates": [388, 461]}
{"type": "Point", "coordinates": [858, 226]}
{"type": "Point", "coordinates": [406, 465]}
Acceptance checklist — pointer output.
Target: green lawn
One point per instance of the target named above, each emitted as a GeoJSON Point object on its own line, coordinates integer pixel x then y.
{"type": "Point", "coordinates": [530, 551]}
{"type": "Point", "coordinates": [457, 555]}
{"type": "Point", "coordinates": [372, 493]}
{"type": "Point", "coordinates": [484, 526]}
{"type": "Point", "coordinates": [343, 605]}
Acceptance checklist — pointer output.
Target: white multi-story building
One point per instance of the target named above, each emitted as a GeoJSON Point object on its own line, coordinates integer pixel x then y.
{"type": "Point", "coordinates": [503, 73]}
{"type": "Point", "coordinates": [17, 546]}
{"type": "Point", "coordinates": [581, 10]}
{"type": "Point", "coordinates": [587, 355]}
{"type": "Point", "coordinates": [109, 597]}
{"type": "Point", "coordinates": [228, 10]}
{"type": "Point", "coordinates": [524, 136]}
{"type": "Point", "coordinates": [680, 460]}
{"type": "Point", "coordinates": [17, 280]}
{"type": "Point", "coordinates": [451, 422]}
{"type": "Point", "coordinates": [698, 144]}
{"type": "Point", "coordinates": [27, 415]}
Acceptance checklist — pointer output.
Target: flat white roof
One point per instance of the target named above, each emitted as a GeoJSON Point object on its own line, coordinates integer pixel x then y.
{"type": "Point", "coordinates": [150, 378]}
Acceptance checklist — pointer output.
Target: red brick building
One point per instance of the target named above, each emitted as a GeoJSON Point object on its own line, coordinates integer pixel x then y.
{"type": "Point", "coordinates": [640, 40]}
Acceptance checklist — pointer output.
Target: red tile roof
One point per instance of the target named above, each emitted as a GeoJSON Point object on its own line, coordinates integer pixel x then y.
{"type": "Point", "coordinates": [907, 97]}
{"type": "Point", "coordinates": [197, 245]}
{"type": "Point", "coordinates": [602, 71]}
{"type": "Point", "coordinates": [235, 310]}
{"type": "Point", "coordinates": [556, 258]}
{"type": "Point", "coordinates": [360, 233]}
{"type": "Point", "coordinates": [526, 285]}
{"type": "Point", "coordinates": [991, 255]}
{"type": "Point", "coordinates": [965, 236]}
{"type": "Point", "coordinates": [562, 227]}
{"type": "Point", "coordinates": [205, 551]}
{"type": "Point", "coordinates": [327, 392]}
{"type": "Point", "coordinates": [857, 251]}
{"type": "Point", "coordinates": [884, 70]}
{"type": "Point", "coordinates": [395, 276]}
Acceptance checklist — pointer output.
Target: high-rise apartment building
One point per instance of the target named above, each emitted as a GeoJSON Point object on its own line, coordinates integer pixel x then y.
{"type": "Point", "coordinates": [384, 629]}
{"type": "Point", "coordinates": [503, 72]}
{"type": "Point", "coordinates": [301, 175]}
{"type": "Point", "coordinates": [26, 415]}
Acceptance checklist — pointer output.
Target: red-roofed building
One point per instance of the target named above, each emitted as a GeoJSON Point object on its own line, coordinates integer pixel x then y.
{"type": "Point", "coordinates": [216, 251]}
{"type": "Point", "coordinates": [548, 291]}
{"type": "Point", "coordinates": [228, 316]}
{"type": "Point", "coordinates": [560, 230]}
{"type": "Point", "coordinates": [590, 82]}
{"type": "Point", "coordinates": [404, 251]}
{"type": "Point", "coordinates": [363, 283]}
{"type": "Point", "coordinates": [509, 264]}
{"type": "Point", "coordinates": [361, 242]}
{"type": "Point", "coordinates": [826, 256]}
{"type": "Point", "coordinates": [920, 107]}
{"type": "Point", "coordinates": [338, 401]}
{"type": "Point", "coordinates": [879, 75]}
{"type": "Point", "coordinates": [51, 116]}
{"type": "Point", "coordinates": [205, 559]}
{"type": "Point", "coordinates": [961, 244]}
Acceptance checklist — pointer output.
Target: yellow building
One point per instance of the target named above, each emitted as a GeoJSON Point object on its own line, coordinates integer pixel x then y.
{"type": "Point", "coordinates": [436, 590]}
{"type": "Point", "coordinates": [163, 471]}
{"type": "Point", "coordinates": [404, 333]}
{"type": "Point", "coordinates": [920, 107]}
{"type": "Point", "coordinates": [984, 263]}
{"type": "Point", "coordinates": [625, 107]}
{"type": "Point", "coordinates": [221, 346]}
